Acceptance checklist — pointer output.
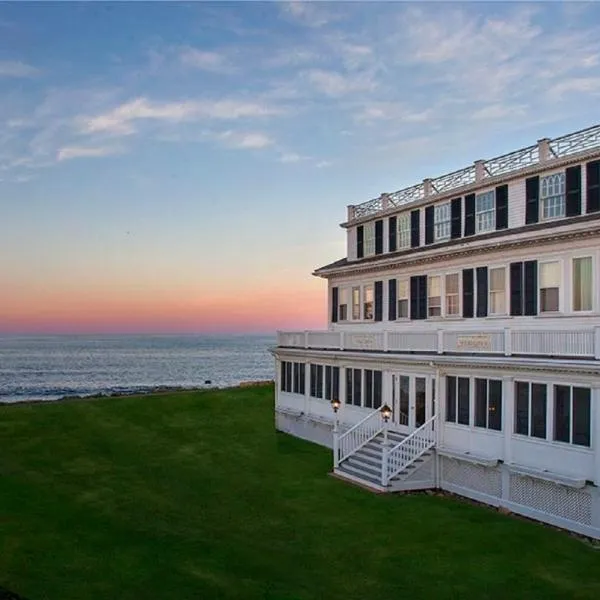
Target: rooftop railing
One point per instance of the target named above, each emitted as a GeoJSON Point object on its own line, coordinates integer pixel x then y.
{"type": "Point", "coordinates": [545, 149]}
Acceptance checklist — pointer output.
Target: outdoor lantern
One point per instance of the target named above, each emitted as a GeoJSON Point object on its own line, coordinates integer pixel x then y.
{"type": "Point", "coordinates": [386, 412]}
{"type": "Point", "coordinates": [335, 404]}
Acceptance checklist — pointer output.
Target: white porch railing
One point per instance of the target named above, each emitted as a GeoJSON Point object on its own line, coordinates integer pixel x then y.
{"type": "Point", "coordinates": [402, 455]}
{"type": "Point", "coordinates": [356, 437]}
{"type": "Point", "coordinates": [576, 341]}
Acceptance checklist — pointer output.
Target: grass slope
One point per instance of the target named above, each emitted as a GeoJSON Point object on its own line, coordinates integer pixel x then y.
{"type": "Point", "coordinates": [194, 495]}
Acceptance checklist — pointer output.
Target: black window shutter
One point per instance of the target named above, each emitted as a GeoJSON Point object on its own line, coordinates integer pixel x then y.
{"type": "Point", "coordinates": [532, 200]}
{"type": "Point", "coordinates": [482, 291]}
{"type": "Point", "coordinates": [573, 191]}
{"type": "Point", "coordinates": [360, 236]}
{"type": "Point", "coordinates": [392, 228]}
{"type": "Point", "coordinates": [378, 300]}
{"type": "Point", "coordinates": [467, 293]}
{"type": "Point", "coordinates": [429, 225]}
{"type": "Point", "coordinates": [531, 284]}
{"type": "Point", "coordinates": [502, 207]}
{"type": "Point", "coordinates": [593, 186]}
{"type": "Point", "coordinates": [456, 218]}
{"type": "Point", "coordinates": [334, 304]}
{"type": "Point", "coordinates": [415, 228]}
{"type": "Point", "coordinates": [469, 214]}
{"type": "Point", "coordinates": [392, 299]}
{"type": "Point", "coordinates": [516, 289]}
{"type": "Point", "coordinates": [379, 236]}
{"type": "Point", "coordinates": [418, 297]}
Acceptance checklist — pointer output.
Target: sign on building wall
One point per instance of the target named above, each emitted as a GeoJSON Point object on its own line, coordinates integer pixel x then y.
{"type": "Point", "coordinates": [479, 341]}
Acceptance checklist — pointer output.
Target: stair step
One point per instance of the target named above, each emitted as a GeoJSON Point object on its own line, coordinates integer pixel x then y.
{"type": "Point", "coordinates": [357, 463]}
{"type": "Point", "coordinates": [345, 468]}
{"type": "Point", "coordinates": [374, 461]}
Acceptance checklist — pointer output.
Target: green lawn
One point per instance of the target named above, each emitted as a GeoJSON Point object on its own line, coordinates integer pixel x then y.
{"type": "Point", "coordinates": [193, 495]}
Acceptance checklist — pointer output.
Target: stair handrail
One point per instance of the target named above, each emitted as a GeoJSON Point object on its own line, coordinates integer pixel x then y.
{"type": "Point", "coordinates": [397, 458]}
{"type": "Point", "coordinates": [352, 440]}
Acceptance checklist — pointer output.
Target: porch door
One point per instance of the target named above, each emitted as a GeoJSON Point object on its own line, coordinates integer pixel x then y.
{"type": "Point", "coordinates": [411, 401]}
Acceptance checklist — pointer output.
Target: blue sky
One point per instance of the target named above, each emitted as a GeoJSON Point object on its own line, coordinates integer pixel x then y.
{"type": "Point", "coordinates": [182, 157]}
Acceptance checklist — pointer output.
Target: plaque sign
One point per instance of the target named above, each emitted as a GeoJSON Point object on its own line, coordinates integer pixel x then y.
{"type": "Point", "coordinates": [363, 341]}
{"type": "Point", "coordinates": [478, 341]}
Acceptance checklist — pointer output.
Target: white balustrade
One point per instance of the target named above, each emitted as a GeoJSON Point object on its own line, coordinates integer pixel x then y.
{"type": "Point", "coordinates": [402, 455]}
{"type": "Point", "coordinates": [553, 342]}
{"type": "Point", "coordinates": [364, 341]}
{"type": "Point", "coordinates": [412, 341]}
{"type": "Point", "coordinates": [358, 435]}
{"type": "Point", "coordinates": [324, 339]}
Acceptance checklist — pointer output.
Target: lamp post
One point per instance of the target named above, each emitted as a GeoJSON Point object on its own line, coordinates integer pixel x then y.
{"type": "Point", "coordinates": [335, 405]}
{"type": "Point", "coordinates": [386, 413]}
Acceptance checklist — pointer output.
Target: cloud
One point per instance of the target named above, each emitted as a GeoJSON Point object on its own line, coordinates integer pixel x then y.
{"type": "Point", "coordinates": [121, 119]}
{"type": "Point", "coordinates": [205, 60]}
{"type": "Point", "coordinates": [310, 14]}
{"type": "Point", "coordinates": [245, 141]}
{"type": "Point", "coordinates": [291, 157]}
{"type": "Point", "coordinates": [332, 83]}
{"type": "Point", "coordinates": [70, 152]}
{"type": "Point", "coordinates": [499, 112]}
{"type": "Point", "coordinates": [575, 85]}
{"type": "Point", "coordinates": [17, 69]}
{"type": "Point", "coordinates": [324, 164]}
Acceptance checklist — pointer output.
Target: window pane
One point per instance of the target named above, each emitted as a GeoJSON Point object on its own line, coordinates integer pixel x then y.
{"type": "Point", "coordinates": [452, 283]}
{"type": "Point", "coordinates": [463, 401]}
{"type": "Point", "coordinates": [549, 300]}
{"type": "Point", "coordinates": [522, 407]}
{"type": "Point", "coordinates": [538, 410]}
{"type": "Point", "coordinates": [495, 404]}
{"type": "Point", "coordinates": [404, 395]}
{"type": "Point", "coordinates": [480, 402]}
{"type": "Point", "coordinates": [497, 279]}
{"type": "Point", "coordinates": [349, 387]}
{"type": "Point", "coordinates": [328, 395]}
{"type": "Point", "coordinates": [402, 309]}
{"type": "Point", "coordinates": [434, 301]}
{"type": "Point", "coordinates": [552, 190]}
{"type": "Point", "coordinates": [404, 231]}
{"type": "Point", "coordinates": [562, 413]}
{"type": "Point", "coordinates": [402, 288]}
{"type": "Point", "coordinates": [357, 394]}
{"type": "Point", "coordinates": [581, 416]}
{"type": "Point", "coordinates": [319, 381]}
{"type": "Point", "coordinates": [369, 239]}
{"type": "Point", "coordinates": [356, 303]}
{"type": "Point", "coordinates": [550, 274]}
{"type": "Point", "coordinates": [336, 383]}
{"type": "Point", "coordinates": [451, 399]}
{"type": "Point", "coordinates": [377, 376]}
{"type": "Point", "coordinates": [582, 283]}
{"type": "Point", "coordinates": [368, 308]}
{"type": "Point", "coordinates": [485, 212]}
{"type": "Point", "coordinates": [420, 401]}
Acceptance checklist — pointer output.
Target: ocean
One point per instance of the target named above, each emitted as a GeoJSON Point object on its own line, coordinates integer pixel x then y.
{"type": "Point", "coordinates": [52, 367]}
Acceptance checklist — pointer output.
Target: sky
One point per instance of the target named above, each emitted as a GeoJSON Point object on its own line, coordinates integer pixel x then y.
{"type": "Point", "coordinates": [170, 167]}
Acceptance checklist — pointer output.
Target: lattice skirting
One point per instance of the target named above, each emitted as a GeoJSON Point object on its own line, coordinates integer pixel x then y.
{"type": "Point", "coordinates": [304, 427]}
{"type": "Point", "coordinates": [573, 509]}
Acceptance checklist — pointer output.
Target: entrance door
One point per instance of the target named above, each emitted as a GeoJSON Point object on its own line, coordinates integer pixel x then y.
{"type": "Point", "coordinates": [411, 398]}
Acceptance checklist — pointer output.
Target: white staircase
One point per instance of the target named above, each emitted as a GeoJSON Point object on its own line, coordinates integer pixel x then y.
{"type": "Point", "coordinates": [383, 466]}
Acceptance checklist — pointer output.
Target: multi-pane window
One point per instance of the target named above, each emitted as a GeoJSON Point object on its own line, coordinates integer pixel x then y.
{"type": "Point", "coordinates": [552, 196]}
{"type": "Point", "coordinates": [434, 296]}
{"type": "Point", "coordinates": [403, 399]}
{"type": "Point", "coordinates": [452, 295]}
{"type": "Point", "coordinates": [549, 286]}
{"type": "Point", "coordinates": [368, 303]}
{"type": "Point", "coordinates": [485, 212]}
{"type": "Point", "coordinates": [497, 291]}
{"type": "Point", "coordinates": [404, 231]}
{"type": "Point", "coordinates": [369, 239]}
{"type": "Point", "coordinates": [372, 388]}
{"type": "Point", "coordinates": [316, 381]}
{"type": "Point", "coordinates": [292, 377]}
{"type": "Point", "coordinates": [572, 416]}
{"type": "Point", "coordinates": [488, 403]}
{"type": "Point", "coordinates": [582, 283]}
{"type": "Point", "coordinates": [530, 409]}
{"type": "Point", "coordinates": [402, 299]}
{"type": "Point", "coordinates": [332, 383]}
{"type": "Point", "coordinates": [343, 305]}
{"type": "Point", "coordinates": [354, 386]}
{"type": "Point", "coordinates": [457, 400]}
{"type": "Point", "coordinates": [355, 303]}
{"type": "Point", "coordinates": [441, 222]}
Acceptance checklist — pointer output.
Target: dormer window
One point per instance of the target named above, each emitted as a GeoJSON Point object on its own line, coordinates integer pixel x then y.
{"type": "Point", "coordinates": [552, 196]}
{"type": "Point", "coordinates": [369, 239]}
{"type": "Point", "coordinates": [485, 212]}
{"type": "Point", "coordinates": [442, 222]}
{"type": "Point", "coordinates": [404, 231]}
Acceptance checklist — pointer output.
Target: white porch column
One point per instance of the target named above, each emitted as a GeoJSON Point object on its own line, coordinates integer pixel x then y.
{"type": "Point", "coordinates": [595, 413]}
{"type": "Point", "coordinates": [306, 388]}
{"type": "Point", "coordinates": [508, 415]}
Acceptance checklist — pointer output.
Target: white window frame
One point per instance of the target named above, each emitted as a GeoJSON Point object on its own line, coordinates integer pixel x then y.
{"type": "Point", "coordinates": [440, 277]}
{"type": "Point", "coordinates": [441, 228]}
{"type": "Point", "coordinates": [404, 231]}
{"type": "Point", "coordinates": [582, 310]}
{"type": "Point", "coordinates": [553, 197]}
{"type": "Point", "coordinates": [343, 302]}
{"type": "Point", "coordinates": [365, 294]}
{"type": "Point", "coordinates": [403, 298]}
{"type": "Point", "coordinates": [369, 239]}
{"type": "Point", "coordinates": [491, 291]}
{"type": "Point", "coordinates": [560, 286]}
{"type": "Point", "coordinates": [552, 432]}
{"type": "Point", "coordinates": [485, 217]}
{"type": "Point", "coordinates": [458, 295]}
